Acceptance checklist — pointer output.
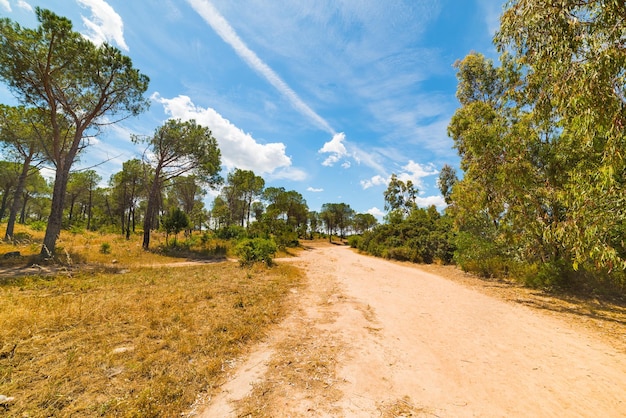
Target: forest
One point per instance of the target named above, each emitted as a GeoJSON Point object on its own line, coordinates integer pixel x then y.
{"type": "Point", "coordinates": [540, 134]}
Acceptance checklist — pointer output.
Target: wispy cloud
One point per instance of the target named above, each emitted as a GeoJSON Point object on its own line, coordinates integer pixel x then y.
{"type": "Point", "coordinates": [492, 11]}
{"type": "Point", "coordinates": [239, 149]}
{"type": "Point", "coordinates": [219, 24]}
{"type": "Point", "coordinates": [5, 5]}
{"type": "Point", "coordinates": [105, 25]}
{"type": "Point", "coordinates": [314, 190]}
{"type": "Point", "coordinates": [411, 171]}
{"type": "Point", "coordinates": [23, 5]}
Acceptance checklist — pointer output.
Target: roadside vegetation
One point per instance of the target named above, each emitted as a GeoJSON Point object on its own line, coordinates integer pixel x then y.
{"type": "Point", "coordinates": [140, 336]}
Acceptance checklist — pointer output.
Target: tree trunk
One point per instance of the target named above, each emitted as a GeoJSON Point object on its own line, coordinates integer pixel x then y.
{"type": "Point", "coordinates": [23, 213]}
{"type": "Point", "coordinates": [3, 205]}
{"type": "Point", "coordinates": [128, 224]}
{"type": "Point", "coordinates": [89, 208]}
{"type": "Point", "coordinates": [17, 199]}
{"type": "Point", "coordinates": [55, 220]}
{"type": "Point", "coordinates": [153, 198]}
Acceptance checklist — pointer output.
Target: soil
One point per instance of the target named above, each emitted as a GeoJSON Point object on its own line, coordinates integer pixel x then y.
{"type": "Point", "coordinates": [372, 338]}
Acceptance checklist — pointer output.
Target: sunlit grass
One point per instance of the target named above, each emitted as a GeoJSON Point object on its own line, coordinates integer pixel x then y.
{"type": "Point", "coordinates": [144, 343]}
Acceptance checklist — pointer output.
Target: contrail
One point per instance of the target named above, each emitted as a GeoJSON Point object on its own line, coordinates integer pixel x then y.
{"type": "Point", "coordinates": [210, 14]}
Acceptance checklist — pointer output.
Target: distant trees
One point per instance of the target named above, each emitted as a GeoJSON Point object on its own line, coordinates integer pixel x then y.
{"type": "Point", "coordinates": [23, 132]}
{"type": "Point", "coordinates": [75, 83]}
{"type": "Point", "coordinates": [178, 148]}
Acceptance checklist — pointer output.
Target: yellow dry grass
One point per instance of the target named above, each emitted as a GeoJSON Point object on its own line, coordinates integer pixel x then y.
{"type": "Point", "coordinates": [143, 343]}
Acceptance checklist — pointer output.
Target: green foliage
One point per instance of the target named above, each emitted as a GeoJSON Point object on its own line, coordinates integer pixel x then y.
{"type": "Point", "coordinates": [105, 248]}
{"type": "Point", "coordinates": [255, 250]}
{"type": "Point", "coordinates": [38, 225]}
{"type": "Point", "coordinates": [423, 237]}
{"type": "Point", "coordinates": [355, 241]}
{"type": "Point", "coordinates": [175, 221]}
{"type": "Point", "coordinates": [232, 232]}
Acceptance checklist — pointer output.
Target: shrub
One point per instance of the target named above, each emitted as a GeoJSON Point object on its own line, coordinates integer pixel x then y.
{"type": "Point", "coordinates": [255, 250]}
{"type": "Point", "coordinates": [105, 248]}
{"type": "Point", "coordinates": [355, 241]}
{"type": "Point", "coordinates": [38, 225]}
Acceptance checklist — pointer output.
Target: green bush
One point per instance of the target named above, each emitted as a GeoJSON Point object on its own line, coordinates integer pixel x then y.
{"type": "Point", "coordinates": [105, 248]}
{"type": "Point", "coordinates": [355, 241]}
{"type": "Point", "coordinates": [38, 225]}
{"type": "Point", "coordinates": [255, 250]}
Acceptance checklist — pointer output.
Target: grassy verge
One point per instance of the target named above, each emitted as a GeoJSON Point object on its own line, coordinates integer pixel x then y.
{"type": "Point", "coordinates": [140, 344]}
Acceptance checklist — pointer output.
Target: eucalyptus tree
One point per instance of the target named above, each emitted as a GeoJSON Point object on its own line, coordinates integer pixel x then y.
{"type": "Point", "coordinates": [400, 196]}
{"type": "Point", "coordinates": [178, 148]}
{"type": "Point", "coordinates": [78, 85]}
{"type": "Point", "coordinates": [573, 59]}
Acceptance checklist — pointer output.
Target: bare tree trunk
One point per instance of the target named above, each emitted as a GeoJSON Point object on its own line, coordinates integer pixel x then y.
{"type": "Point", "coordinates": [55, 219]}
{"type": "Point", "coordinates": [23, 213]}
{"type": "Point", "coordinates": [17, 199]}
{"type": "Point", "coordinates": [151, 206]}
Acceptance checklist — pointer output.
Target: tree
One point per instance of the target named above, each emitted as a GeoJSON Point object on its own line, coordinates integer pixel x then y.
{"type": "Point", "coordinates": [9, 174]}
{"type": "Point", "coordinates": [77, 84]}
{"type": "Point", "coordinates": [573, 59]}
{"type": "Point", "coordinates": [447, 180]}
{"type": "Point", "coordinates": [80, 188]}
{"type": "Point", "coordinates": [400, 196]}
{"type": "Point", "coordinates": [175, 221]}
{"type": "Point", "coordinates": [241, 189]}
{"type": "Point", "coordinates": [22, 131]}
{"type": "Point", "coordinates": [336, 216]}
{"type": "Point", "coordinates": [364, 222]}
{"type": "Point", "coordinates": [178, 148]}
{"type": "Point", "coordinates": [128, 186]}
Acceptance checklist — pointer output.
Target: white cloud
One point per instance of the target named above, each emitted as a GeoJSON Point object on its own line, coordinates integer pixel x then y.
{"type": "Point", "coordinates": [411, 171]}
{"type": "Point", "coordinates": [288, 173]}
{"type": "Point", "coordinates": [219, 24]}
{"type": "Point", "coordinates": [23, 5]}
{"type": "Point", "coordinates": [335, 148]}
{"type": "Point", "coordinates": [346, 165]}
{"type": "Point", "coordinates": [105, 24]}
{"type": "Point", "coordinates": [314, 190]}
{"type": "Point", "coordinates": [239, 149]}
{"type": "Point", "coordinates": [416, 172]}
{"type": "Point", "coordinates": [5, 5]}
{"type": "Point", "coordinates": [438, 201]}
{"type": "Point", "coordinates": [374, 181]}
{"type": "Point", "coordinates": [376, 212]}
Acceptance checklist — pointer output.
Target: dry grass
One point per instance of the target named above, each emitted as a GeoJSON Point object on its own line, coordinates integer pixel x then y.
{"type": "Point", "coordinates": [140, 344]}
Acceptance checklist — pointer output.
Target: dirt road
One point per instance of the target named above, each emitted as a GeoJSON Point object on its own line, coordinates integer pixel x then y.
{"type": "Point", "coordinates": [369, 338]}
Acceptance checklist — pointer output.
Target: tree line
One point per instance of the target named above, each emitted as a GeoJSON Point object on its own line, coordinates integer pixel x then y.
{"type": "Point", "coordinates": [541, 138]}
{"type": "Point", "coordinates": [68, 88]}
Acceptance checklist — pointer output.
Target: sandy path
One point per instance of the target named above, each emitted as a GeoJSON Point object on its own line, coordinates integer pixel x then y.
{"type": "Point", "coordinates": [370, 338]}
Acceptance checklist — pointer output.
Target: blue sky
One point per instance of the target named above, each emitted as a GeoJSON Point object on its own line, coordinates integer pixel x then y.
{"type": "Point", "coordinates": [326, 97]}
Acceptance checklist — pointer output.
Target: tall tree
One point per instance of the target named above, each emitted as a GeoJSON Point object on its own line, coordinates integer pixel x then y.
{"type": "Point", "coordinates": [77, 84]}
{"type": "Point", "coordinates": [447, 180]}
{"type": "Point", "coordinates": [363, 222]}
{"type": "Point", "coordinates": [22, 131]}
{"type": "Point", "coordinates": [573, 59]}
{"type": "Point", "coordinates": [9, 174]}
{"type": "Point", "coordinates": [178, 148]}
{"type": "Point", "coordinates": [400, 196]}
{"type": "Point", "coordinates": [128, 186]}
